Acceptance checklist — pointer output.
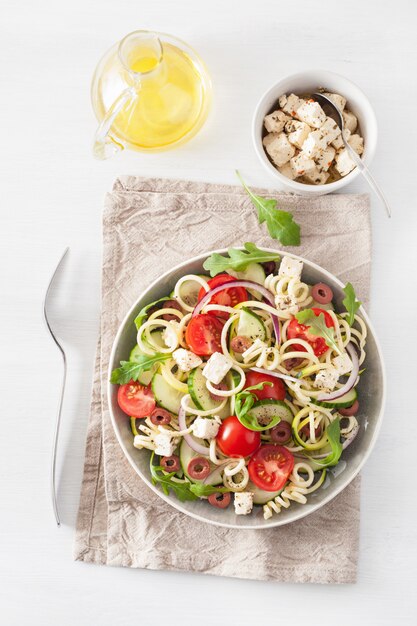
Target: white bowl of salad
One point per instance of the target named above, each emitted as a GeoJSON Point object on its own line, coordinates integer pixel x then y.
{"type": "Point", "coordinates": [246, 387]}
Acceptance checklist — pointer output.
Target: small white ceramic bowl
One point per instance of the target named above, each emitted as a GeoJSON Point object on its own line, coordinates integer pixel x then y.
{"type": "Point", "coordinates": [309, 82]}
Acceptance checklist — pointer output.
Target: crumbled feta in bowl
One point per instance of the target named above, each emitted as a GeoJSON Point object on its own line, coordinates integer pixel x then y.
{"type": "Point", "coordinates": [303, 136]}
{"type": "Point", "coordinates": [300, 145]}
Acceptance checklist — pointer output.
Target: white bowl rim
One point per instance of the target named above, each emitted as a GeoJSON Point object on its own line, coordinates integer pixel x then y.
{"type": "Point", "coordinates": [275, 520]}
{"type": "Point", "coordinates": [304, 188]}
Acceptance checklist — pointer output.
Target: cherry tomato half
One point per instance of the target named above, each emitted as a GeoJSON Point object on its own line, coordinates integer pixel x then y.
{"type": "Point", "coordinates": [234, 439]}
{"type": "Point", "coordinates": [296, 330]}
{"type": "Point", "coordinates": [135, 399]}
{"type": "Point", "coordinates": [227, 297]}
{"type": "Point", "coordinates": [270, 467]}
{"type": "Point", "coordinates": [276, 392]}
{"type": "Point", "coordinates": [203, 334]}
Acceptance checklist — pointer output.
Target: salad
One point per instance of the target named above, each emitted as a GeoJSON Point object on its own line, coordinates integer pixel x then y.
{"type": "Point", "coordinates": [243, 382]}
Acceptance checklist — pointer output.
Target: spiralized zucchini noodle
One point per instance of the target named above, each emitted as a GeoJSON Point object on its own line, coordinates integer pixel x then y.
{"type": "Point", "coordinates": [244, 356]}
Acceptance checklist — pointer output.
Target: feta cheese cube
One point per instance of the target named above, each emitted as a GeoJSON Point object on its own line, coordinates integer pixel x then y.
{"type": "Point", "coordinates": [243, 502]}
{"type": "Point", "coordinates": [290, 267]}
{"type": "Point", "coordinates": [286, 303]}
{"type": "Point", "coordinates": [311, 113]}
{"type": "Point", "coordinates": [206, 428]}
{"type": "Point", "coordinates": [279, 148]}
{"type": "Point", "coordinates": [356, 141]}
{"type": "Point", "coordinates": [301, 164]}
{"type": "Point", "coordinates": [165, 444]}
{"type": "Point", "coordinates": [317, 176]}
{"type": "Point", "coordinates": [186, 360]}
{"type": "Point", "coordinates": [314, 144]}
{"type": "Point", "coordinates": [350, 121]}
{"type": "Point", "coordinates": [169, 337]}
{"type": "Point", "coordinates": [275, 122]}
{"type": "Point", "coordinates": [342, 363]}
{"type": "Point", "coordinates": [300, 133]}
{"type": "Point", "coordinates": [337, 99]}
{"type": "Point", "coordinates": [282, 100]}
{"type": "Point", "coordinates": [338, 142]}
{"type": "Point", "coordinates": [344, 163]}
{"type": "Point", "coordinates": [326, 379]}
{"type": "Point", "coordinates": [286, 170]}
{"type": "Point", "coordinates": [330, 130]}
{"type": "Point", "coordinates": [325, 158]}
{"type": "Point", "coordinates": [290, 104]}
{"type": "Point", "coordinates": [217, 367]}
{"type": "Point", "coordinates": [290, 126]}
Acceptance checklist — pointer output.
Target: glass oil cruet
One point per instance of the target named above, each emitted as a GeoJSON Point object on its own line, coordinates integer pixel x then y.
{"type": "Point", "coordinates": [149, 92]}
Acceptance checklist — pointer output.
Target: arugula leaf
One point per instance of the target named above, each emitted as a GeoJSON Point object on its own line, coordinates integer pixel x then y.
{"type": "Point", "coordinates": [317, 326]}
{"type": "Point", "coordinates": [199, 489]}
{"type": "Point", "coordinates": [333, 436]}
{"type": "Point", "coordinates": [238, 259]}
{"type": "Point", "coordinates": [130, 370]}
{"type": "Point", "coordinates": [143, 313]}
{"type": "Point", "coordinates": [350, 303]}
{"type": "Point", "coordinates": [243, 404]}
{"type": "Point", "coordinates": [280, 223]}
{"type": "Point", "coordinates": [182, 490]}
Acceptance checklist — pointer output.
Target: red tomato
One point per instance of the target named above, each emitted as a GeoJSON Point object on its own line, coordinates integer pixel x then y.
{"type": "Point", "coordinates": [296, 330]}
{"type": "Point", "coordinates": [203, 334]}
{"type": "Point", "coordinates": [227, 297]}
{"type": "Point", "coordinates": [270, 467]}
{"type": "Point", "coordinates": [234, 439]}
{"type": "Point", "coordinates": [276, 392]}
{"type": "Point", "coordinates": [135, 399]}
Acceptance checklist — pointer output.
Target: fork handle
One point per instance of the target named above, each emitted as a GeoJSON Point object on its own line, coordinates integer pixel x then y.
{"type": "Point", "coordinates": [55, 440]}
{"type": "Point", "coordinates": [368, 176]}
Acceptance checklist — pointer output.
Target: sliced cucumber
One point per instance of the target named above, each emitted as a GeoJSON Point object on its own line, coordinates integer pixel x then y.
{"type": "Point", "coordinates": [250, 325]}
{"type": "Point", "coordinates": [254, 271]}
{"type": "Point", "coordinates": [265, 410]}
{"type": "Point", "coordinates": [166, 396]}
{"type": "Point", "coordinates": [199, 393]}
{"type": "Point", "coordinates": [201, 397]}
{"type": "Point", "coordinates": [145, 377]}
{"type": "Point", "coordinates": [260, 496]}
{"type": "Point", "coordinates": [190, 290]}
{"type": "Point", "coordinates": [187, 453]}
{"type": "Point", "coordinates": [157, 339]}
{"type": "Point", "coordinates": [340, 403]}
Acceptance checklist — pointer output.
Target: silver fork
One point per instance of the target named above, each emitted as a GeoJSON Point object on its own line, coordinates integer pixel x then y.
{"type": "Point", "coordinates": [61, 397]}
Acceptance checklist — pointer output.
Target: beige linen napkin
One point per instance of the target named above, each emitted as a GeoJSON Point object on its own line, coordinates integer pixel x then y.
{"type": "Point", "coordinates": [149, 226]}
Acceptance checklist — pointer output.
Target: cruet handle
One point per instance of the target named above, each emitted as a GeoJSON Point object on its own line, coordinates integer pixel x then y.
{"type": "Point", "coordinates": [105, 145]}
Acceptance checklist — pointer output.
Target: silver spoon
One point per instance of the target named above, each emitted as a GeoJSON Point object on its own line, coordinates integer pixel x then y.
{"type": "Point", "coordinates": [332, 111]}
{"type": "Point", "coordinates": [61, 397]}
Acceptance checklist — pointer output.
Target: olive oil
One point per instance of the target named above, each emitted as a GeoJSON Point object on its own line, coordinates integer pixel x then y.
{"type": "Point", "coordinates": [169, 101]}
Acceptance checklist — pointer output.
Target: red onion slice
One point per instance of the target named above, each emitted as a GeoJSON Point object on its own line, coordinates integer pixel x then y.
{"type": "Point", "coordinates": [276, 374]}
{"type": "Point", "coordinates": [197, 447]}
{"type": "Point", "coordinates": [324, 397]}
{"type": "Point", "coordinates": [248, 284]}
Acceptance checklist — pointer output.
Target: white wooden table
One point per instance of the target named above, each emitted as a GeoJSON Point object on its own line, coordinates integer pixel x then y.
{"type": "Point", "coordinates": [51, 196]}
